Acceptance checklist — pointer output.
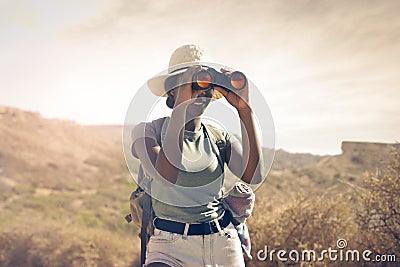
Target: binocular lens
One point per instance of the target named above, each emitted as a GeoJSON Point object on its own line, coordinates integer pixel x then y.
{"type": "Point", "coordinates": [238, 80]}
{"type": "Point", "coordinates": [203, 79]}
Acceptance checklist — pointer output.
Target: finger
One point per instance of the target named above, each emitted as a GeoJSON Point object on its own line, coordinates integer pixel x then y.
{"type": "Point", "coordinates": [225, 71]}
{"type": "Point", "coordinates": [222, 91]}
{"type": "Point", "coordinates": [192, 70]}
{"type": "Point", "coordinates": [187, 76]}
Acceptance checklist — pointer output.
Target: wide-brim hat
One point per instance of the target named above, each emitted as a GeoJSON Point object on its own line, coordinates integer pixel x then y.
{"type": "Point", "coordinates": [181, 59]}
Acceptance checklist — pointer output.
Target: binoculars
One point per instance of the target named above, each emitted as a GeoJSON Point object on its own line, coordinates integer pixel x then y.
{"type": "Point", "coordinates": [206, 79]}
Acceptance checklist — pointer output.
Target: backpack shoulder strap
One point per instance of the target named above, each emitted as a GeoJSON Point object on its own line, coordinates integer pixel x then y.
{"type": "Point", "coordinates": [144, 235]}
{"type": "Point", "coordinates": [218, 142]}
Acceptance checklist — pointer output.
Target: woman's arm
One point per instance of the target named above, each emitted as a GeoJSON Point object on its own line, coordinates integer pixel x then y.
{"type": "Point", "coordinates": [245, 161]}
{"type": "Point", "coordinates": [165, 162]}
{"type": "Point", "coordinates": [170, 155]}
{"type": "Point", "coordinates": [252, 153]}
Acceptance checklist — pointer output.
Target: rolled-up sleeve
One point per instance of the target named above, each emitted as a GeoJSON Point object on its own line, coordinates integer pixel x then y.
{"type": "Point", "coordinates": [142, 130]}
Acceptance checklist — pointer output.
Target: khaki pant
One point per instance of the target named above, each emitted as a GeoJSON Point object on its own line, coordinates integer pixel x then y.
{"type": "Point", "coordinates": [196, 250]}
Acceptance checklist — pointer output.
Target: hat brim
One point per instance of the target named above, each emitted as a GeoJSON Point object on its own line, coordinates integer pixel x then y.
{"type": "Point", "coordinates": [157, 85]}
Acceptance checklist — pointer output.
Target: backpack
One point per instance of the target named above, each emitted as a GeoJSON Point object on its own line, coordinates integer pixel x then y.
{"type": "Point", "coordinates": [141, 209]}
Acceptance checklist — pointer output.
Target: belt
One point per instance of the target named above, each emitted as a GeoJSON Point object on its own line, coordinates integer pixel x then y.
{"type": "Point", "coordinates": [194, 228]}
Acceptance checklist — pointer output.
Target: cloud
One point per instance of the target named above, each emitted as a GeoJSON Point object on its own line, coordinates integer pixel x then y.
{"type": "Point", "coordinates": [318, 63]}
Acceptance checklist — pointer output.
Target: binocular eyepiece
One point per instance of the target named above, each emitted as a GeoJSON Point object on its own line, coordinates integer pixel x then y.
{"type": "Point", "coordinates": [206, 79]}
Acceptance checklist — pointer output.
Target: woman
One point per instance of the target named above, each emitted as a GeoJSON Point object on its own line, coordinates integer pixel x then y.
{"type": "Point", "coordinates": [191, 225]}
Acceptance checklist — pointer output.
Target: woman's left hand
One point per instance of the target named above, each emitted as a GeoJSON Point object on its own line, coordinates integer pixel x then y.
{"type": "Point", "coordinates": [239, 99]}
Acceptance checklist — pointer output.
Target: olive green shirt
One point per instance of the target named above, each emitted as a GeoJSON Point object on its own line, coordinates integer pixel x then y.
{"type": "Point", "coordinates": [196, 195]}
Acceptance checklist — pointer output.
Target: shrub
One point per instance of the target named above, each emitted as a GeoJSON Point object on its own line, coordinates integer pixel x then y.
{"type": "Point", "coordinates": [379, 213]}
{"type": "Point", "coordinates": [49, 245]}
{"type": "Point", "coordinates": [306, 223]}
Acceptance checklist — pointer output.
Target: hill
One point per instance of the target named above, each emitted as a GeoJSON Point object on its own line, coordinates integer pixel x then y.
{"type": "Point", "coordinates": [64, 181]}
{"type": "Point", "coordinates": [294, 173]}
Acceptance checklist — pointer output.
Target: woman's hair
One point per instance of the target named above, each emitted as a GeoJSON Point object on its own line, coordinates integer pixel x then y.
{"type": "Point", "coordinates": [170, 100]}
{"type": "Point", "coordinates": [170, 83]}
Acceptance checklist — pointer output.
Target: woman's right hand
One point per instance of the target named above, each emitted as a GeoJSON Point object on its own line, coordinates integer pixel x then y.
{"type": "Point", "coordinates": [183, 93]}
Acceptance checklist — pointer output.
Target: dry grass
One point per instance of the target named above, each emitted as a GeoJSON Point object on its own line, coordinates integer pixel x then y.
{"type": "Point", "coordinates": [36, 243]}
{"type": "Point", "coordinates": [64, 191]}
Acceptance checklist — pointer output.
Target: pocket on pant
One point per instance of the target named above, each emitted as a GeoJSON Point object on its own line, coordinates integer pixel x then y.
{"type": "Point", "coordinates": [161, 236]}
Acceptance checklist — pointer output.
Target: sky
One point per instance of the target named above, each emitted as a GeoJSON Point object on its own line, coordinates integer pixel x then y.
{"type": "Point", "coordinates": [329, 70]}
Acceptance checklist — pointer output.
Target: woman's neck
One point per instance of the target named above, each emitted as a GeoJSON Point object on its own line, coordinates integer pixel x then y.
{"type": "Point", "coordinates": [193, 125]}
